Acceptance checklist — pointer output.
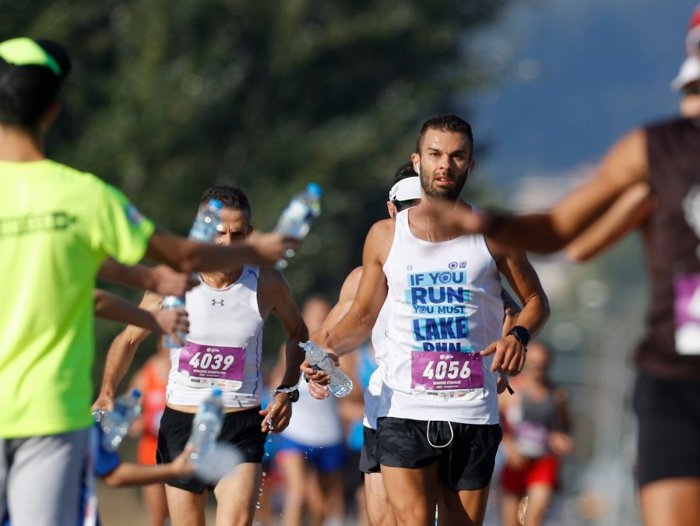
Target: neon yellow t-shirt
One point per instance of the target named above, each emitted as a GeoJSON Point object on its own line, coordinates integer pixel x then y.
{"type": "Point", "coordinates": [57, 225]}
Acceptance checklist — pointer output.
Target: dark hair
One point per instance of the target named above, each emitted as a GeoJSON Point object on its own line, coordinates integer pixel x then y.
{"type": "Point", "coordinates": [230, 197]}
{"type": "Point", "coordinates": [27, 91]}
{"type": "Point", "coordinates": [404, 171]}
{"type": "Point", "coordinates": [403, 205]}
{"type": "Point", "coordinates": [447, 122]}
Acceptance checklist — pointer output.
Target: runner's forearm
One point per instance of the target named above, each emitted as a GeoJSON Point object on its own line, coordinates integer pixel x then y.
{"type": "Point", "coordinates": [111, 307]}
{"type": "Point", "coordinates": [294, 356]}
{"type": "Point", "coordinates": [119, 358]}
{"type": "Point", "coordinates": [348, 334]}
{"type": "Point", "coordinates": [129, 474]}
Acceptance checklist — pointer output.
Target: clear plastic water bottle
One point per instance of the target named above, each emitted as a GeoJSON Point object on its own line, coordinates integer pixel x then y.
{"type": "Point", "coordinates": [207, 220]}
{"type": "Point", "coordinates": [220, 460]}
{"type": "Point", "coordinates": [204, 230]}
{"type": "Point", "coordinates": [173, 303]}
{"type": "Point", "coordinates": [115, 423]}
{"type": "Point", "coordinates": [341, 384]}
{"type": "Point", "coordinates": [206, 426]}
{"type": "Point", "coordinates": [296, 219]}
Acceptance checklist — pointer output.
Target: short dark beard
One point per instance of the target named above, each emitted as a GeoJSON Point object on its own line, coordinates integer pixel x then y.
{"type": "Point", "coordinates": [450, 195]}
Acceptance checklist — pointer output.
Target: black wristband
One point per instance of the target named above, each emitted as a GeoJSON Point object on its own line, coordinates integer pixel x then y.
{"type": "Point", "coordinates": [521, 334]}
{"type": "Point", "coordinates": [292, 392]}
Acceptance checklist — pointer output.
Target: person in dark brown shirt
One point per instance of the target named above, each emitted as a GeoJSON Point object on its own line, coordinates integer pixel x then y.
{"type": "Point", "coordinates": [666, 157]}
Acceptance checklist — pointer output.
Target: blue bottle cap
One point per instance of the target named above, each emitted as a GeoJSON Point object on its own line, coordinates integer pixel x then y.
{"type": "Point", "coordinates": [136, 393]}
{"type": "Point", "coordinates": [215, 203]}
{"type": "Point", "coordinates": [314, 189]}
{"type": "Point", "coordinates": [216, 392]}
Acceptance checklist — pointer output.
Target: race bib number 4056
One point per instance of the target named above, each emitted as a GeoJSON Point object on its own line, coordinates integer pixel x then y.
{"type": "Point", "coordinates": [444, 371]}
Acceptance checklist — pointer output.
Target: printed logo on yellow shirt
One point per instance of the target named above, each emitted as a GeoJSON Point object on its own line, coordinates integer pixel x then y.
{"type": "Point", "coordinates": [34, 223]}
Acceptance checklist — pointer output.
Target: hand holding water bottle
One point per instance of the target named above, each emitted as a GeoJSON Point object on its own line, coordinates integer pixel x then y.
{"type": "Point", "coordinates": [269, 248]}
{"type": "Point", "coordinates": [213, 460]}
{"type": "Point", "coordinates": [115, 423]}
{"type": "Point", "coordinates": [340, 383]}
{"type": "Point", "coordinates": [204, 230]}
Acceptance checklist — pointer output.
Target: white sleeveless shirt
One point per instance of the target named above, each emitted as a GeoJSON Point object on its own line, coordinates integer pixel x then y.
{"type": "Point", "coordinates": [374, 388]}
{"type": "Point", "coordinates": [224, 345]}
{"type": "Point", "coordinates": [444, 306]}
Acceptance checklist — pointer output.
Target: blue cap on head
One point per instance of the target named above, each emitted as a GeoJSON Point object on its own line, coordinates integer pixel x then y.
{"type": "Point", "coordinates": [314, 189]}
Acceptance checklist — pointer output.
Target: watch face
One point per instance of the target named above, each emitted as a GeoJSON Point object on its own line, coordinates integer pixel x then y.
{"type": "Point", "coordinates": [294, 395]}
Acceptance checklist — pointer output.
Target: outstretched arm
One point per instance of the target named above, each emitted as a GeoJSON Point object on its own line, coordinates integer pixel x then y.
{"type": "Point", "coordinates": [628, 212]}
{"type": "Point", "coordinates": [111, 307]}
{"type": "Point", "coordinates": [190, 256]}
{"type": "Point", "coordinates": [160, 279]}
{"type": "Point", "coordinates": [317, 387]}
{"type": "Point", "coordinates": [130, 474]}
{"type": "Point", "coordinates": [355, 326]}
{"type": "Point", "coordinates": [340, 309]}
{"type": "Point", "coordinates": [121, 355]}
{"type": "Point", "coordinates": [623, 166]}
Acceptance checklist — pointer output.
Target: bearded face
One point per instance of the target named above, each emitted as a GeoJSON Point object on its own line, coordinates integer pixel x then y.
{"type": "Point", "coordinates": [443, 163]}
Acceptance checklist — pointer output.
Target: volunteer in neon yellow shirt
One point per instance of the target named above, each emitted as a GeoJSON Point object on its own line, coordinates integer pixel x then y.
{"type": "Point", "coordinates": [52, 244]}
{"type": "Point", "coordinates": [57, 226]}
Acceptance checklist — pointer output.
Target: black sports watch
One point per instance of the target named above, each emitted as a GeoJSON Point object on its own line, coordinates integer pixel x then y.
{"type": "Point", "coordinates": [292, 392]}
{"type": "Point", "coordinates": [521, 334]}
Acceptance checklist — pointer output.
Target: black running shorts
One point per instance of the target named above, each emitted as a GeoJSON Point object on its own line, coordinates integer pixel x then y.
{"type": "Point", "coordinates": [668, 413]}
{"type": "Point", "coordinates": [465, 462]}
{"type": "Point", "coordinates": [369, 463]}
{"type": "Point", "coordinates": [240, 429]}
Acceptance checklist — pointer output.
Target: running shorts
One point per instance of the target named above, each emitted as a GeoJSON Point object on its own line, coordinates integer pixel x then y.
{"type": "Point", "coordinates": [465, 453]}
{"type": "Point", "coordinates": [369, 462]}
{"type": "Point", "coordinates": [541, 471]}
{"type": "Point", "coordinates": [324, 458]}
{"type": "Point", "coordinates": [240, 429]}
{"type": "Point", "coordinates": [668, 413]}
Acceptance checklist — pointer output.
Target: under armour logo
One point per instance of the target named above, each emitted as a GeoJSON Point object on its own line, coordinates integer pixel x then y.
{"type": "Point", "coordinates": [214, 302]}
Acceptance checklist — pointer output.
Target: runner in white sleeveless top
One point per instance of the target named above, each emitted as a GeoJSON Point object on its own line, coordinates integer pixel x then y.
{"type": "Point", "coordinates": [219, 353]}
{"type": "Point", "coordinates": [404, 194]}
{"type": "Point", "coordinates": [223, 348]}
{"type": "Point", "coordinates": [444, 306]}
{"type": "Point", "coordinates": [444, 319]}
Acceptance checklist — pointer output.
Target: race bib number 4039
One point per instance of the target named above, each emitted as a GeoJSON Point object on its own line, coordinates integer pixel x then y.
{"type": "Point", "coordinates": [208, 362]}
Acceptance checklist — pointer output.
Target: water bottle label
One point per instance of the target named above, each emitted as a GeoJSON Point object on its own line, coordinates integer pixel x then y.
{"type": "Point", "coordinates": [202, 365]}
{"type": "Point", "coordinates": [446, 371]}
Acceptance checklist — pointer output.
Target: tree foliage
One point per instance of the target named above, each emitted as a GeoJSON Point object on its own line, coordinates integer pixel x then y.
{"type": "Point", "coordinates": [169, 97]}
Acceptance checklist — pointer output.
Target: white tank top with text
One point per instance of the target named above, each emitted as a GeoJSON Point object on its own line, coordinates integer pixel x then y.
{"type": "Point", "coordinates": [444, 306]}
{"type": "Point", "coordinates": [224, 345]}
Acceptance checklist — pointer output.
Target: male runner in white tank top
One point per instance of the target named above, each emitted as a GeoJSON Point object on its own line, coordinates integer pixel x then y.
{"type": "Point", "coordinates": [438, 430]}
{"type": "Point", "coordinates": [223, 348]}
{"type": "Point", "coordinates": [405, 193]}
